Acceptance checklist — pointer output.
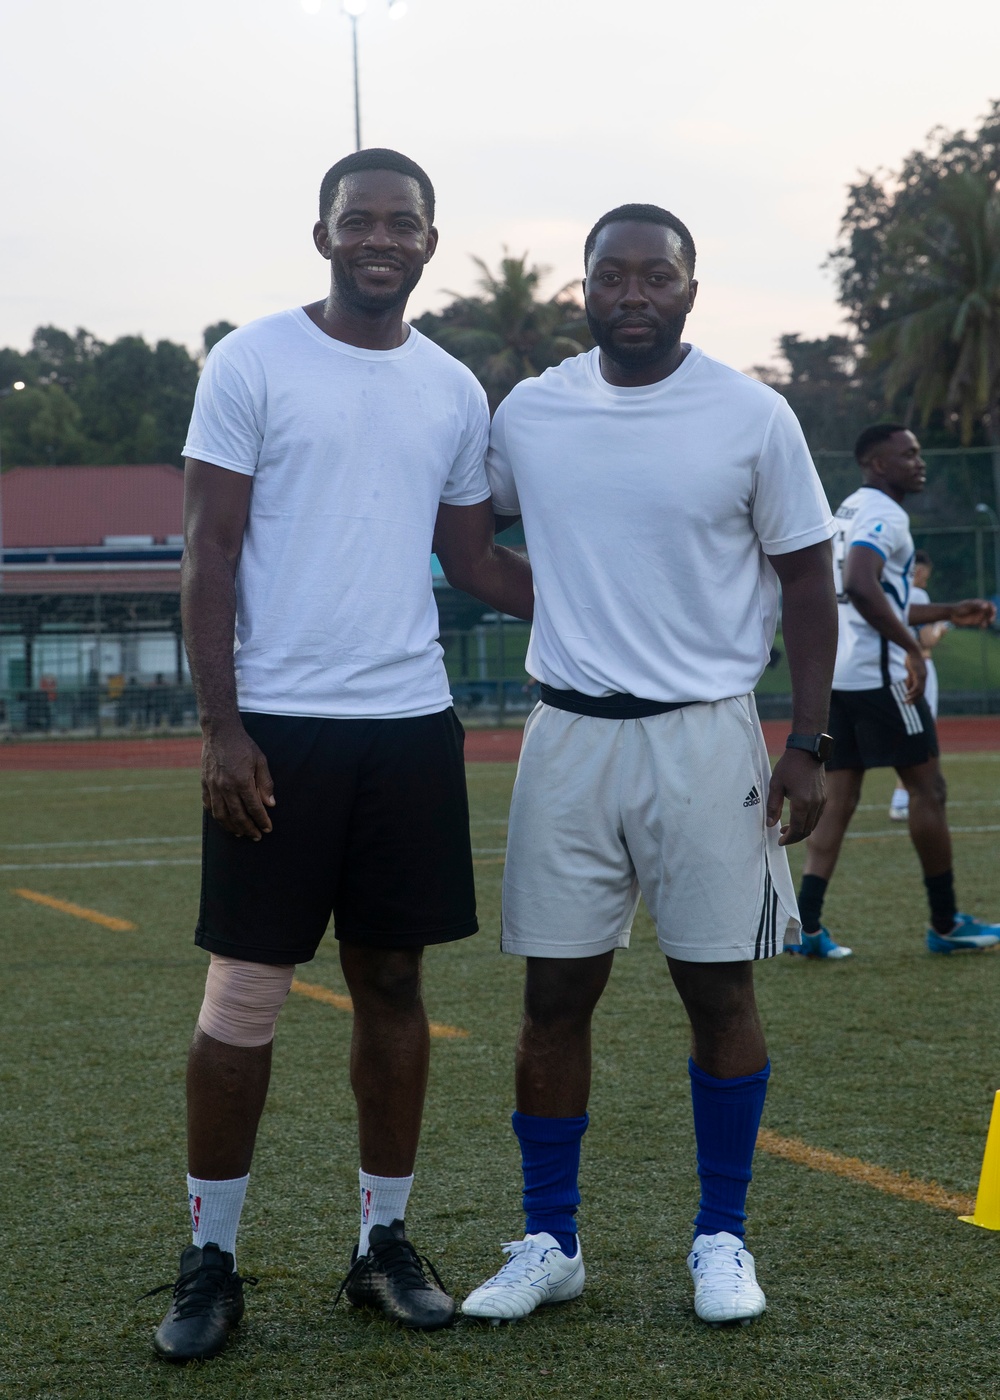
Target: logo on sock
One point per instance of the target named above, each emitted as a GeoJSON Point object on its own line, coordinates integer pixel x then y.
{"type": "Point", "coordinates": [195, 1203]}
{"type": "Point", "coordinates": [366, 1204]}
{"type": "Point", "coordinates": [752, 798]}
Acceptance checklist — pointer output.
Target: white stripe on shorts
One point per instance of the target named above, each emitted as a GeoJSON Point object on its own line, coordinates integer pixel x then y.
{"type": "Point", "coordinates": [909, 714]}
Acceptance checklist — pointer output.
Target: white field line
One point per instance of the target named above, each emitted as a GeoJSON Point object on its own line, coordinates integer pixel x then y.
{"type": "Point", "coordinates": [87, 845]}
{"type": "Point", "coordinates": [901, 830]}
{"type": "Point", "coordinates": [94, 864]}
{"type": "Point", "coordinates": [973, 802]}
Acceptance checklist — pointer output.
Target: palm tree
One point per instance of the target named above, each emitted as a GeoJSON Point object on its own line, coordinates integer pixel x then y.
{"type": "Point", "coordinates": [506, 334]}
{"type": "Point", "coordinates": [943, 345]}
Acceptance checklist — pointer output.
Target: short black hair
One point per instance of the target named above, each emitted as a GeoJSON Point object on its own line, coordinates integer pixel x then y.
{"type": "Point", "coordinates": [874, 437]}
{"type": "Point", "coordinates": [375, 158]}
{"type": "Point", "coordinates": [643, 214]}
{"type": "Point", "coordinates": [920, 556]}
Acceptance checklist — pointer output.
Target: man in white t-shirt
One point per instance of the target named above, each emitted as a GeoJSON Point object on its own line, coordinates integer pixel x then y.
{"type": "Point", "coordinates": [332, 448]}
{"type": "Point", "coordinates": [879, 717]}
{"type": "Point", "coordinates": [664, 496]}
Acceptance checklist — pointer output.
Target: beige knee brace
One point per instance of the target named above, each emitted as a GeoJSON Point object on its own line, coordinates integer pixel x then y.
{"type": "Point", "coordinates": [242, 1000]}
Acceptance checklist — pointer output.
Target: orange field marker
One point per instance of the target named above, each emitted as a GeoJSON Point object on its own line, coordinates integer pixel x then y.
{"type": "Point", "coordinates": [342, 1003]}
{"type": "Point", "coordinates": [93, 916]}
{"type": "Point", "coordinates": [910, 1188]}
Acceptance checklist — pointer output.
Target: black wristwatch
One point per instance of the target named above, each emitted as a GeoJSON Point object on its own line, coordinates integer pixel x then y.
{"type": "Point", "coordinates": [819, 745]}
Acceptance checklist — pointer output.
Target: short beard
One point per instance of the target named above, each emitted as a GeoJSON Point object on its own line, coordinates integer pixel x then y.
{"type": "Point", "coordinates": [637, 357]}
{"type": "Point", "coordinates": [365, 303]}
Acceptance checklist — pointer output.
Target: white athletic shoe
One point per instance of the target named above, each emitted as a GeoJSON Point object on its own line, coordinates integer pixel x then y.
{"type": "Point", "coordinates": [725, 1281]}
{"type": "Point", "coordinates": [536, 1272]}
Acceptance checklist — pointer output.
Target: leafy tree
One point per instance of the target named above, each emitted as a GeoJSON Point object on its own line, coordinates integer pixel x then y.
{"type": "Point", "coordinates": [829, 386]}
{"type": "Point", "coordinates": [213, 334]}
{"type": "Point", "coordinates": [507, 334]}
{"type": "Point", "coordinates": [939, 287]}
{"type": "Point", "coordinates": [42, 426]}
{"type": "Point", "coordinates": [881, 200]}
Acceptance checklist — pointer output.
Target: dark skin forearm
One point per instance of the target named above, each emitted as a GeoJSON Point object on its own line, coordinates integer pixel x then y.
{"type": "Point", "coordinates": [208, 615]}
{"type": "Point", "coordinates": [475, 563]}
{"type": "Point", "coordinates": [970, 612]}
{"type": "Point", "coordinates": [235, 783]}
{"type": "Point", "coordinates": [809, 628]}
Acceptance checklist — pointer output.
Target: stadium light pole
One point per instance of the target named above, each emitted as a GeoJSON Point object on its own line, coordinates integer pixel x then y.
{"type": "Point", "coordinates": [14, 388]}
{"type": "Point", "coordinates": [983, 509]}
{"type": "Point", "coordinates": [354, 9]}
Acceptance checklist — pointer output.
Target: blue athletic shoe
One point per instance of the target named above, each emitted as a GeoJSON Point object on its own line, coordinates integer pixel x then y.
{"type": "Point", "coordinates": [968, 936]}
{"type": "Point", "coordinates": [820, 945]}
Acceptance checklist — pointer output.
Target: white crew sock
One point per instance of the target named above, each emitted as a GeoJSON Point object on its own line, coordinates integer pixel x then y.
{"type": "Point", "coordinates": [215, 1211]}
{"type": "Point", "coordinates": [900, 799]}
{"type": "Point", "coordinates": [383, 1200]}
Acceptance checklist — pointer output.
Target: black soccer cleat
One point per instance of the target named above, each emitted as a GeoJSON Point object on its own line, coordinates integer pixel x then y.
{"type": "Point", "coordinates": [390, 1278]}
{"type": "Point", "coordinates": [207, 1305]}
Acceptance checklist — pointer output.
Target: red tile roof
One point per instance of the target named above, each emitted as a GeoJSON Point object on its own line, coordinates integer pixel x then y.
{"type": "Point", "coordinates": [61, 506]}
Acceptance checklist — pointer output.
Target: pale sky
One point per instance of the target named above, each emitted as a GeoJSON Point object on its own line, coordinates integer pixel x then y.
{"type": "Point", "coordinates": [160, 162]}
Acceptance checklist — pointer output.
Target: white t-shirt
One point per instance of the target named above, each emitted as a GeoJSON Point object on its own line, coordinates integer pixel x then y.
{"type": "Point", "coordinates": [351, 452]}
{"type": "Point", "coordinates": [869, 519]}
{"type": "Point", "coordinates": [648, 515]}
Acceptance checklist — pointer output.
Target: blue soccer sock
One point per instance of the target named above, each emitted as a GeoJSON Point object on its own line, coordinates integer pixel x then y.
{"type": "Point", "coordinates": [726, 1118]}
{"type": "Point", "coordinates": [550, 1160]}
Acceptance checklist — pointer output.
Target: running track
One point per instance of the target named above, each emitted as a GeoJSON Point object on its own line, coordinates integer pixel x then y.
{"type": "Point", "coordinates": [958, 734]}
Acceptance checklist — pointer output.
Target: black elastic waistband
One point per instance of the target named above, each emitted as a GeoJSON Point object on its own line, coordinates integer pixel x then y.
{"type": "Point", "coordinates": [608, 706]}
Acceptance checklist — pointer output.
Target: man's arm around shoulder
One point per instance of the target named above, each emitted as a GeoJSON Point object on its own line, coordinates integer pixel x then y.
{"type": "Point", "coordinates": [474, 562]}
{"type": "Point", "coordinates": [236, 786]}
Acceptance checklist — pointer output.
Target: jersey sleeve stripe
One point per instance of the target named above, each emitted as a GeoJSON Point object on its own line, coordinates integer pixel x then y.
{"type": "Point", "coordinates": [863, 544]}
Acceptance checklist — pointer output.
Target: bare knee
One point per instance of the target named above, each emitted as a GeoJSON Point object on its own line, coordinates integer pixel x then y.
{"type": "Point", "coordinates": [385, 980]}
{"type": "Point", "coordinates": [928, 787]}
{"type": "Point", "coordinates": [718, 997]}
{"type": "Point", "coordinates": [564, 991]}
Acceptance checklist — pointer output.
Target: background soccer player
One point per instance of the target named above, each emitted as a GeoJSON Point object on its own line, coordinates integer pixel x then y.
{"type": "Point", "coordinates": [663, 496]}
{"type": "Point", "coordinates": [879, 717]}
{"type": "Point", "coordinates": [331, 448]}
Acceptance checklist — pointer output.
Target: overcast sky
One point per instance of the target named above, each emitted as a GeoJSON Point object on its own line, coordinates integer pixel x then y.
{"type": "Point", "coordinates": [160, 162]}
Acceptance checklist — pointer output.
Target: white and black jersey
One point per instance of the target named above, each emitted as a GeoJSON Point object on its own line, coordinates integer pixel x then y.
{"type": "Point", "coordinates": [869, 519]}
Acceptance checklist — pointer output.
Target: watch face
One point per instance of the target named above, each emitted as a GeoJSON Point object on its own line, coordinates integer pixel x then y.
{"type": "Point", "coordinates": [824, 747]}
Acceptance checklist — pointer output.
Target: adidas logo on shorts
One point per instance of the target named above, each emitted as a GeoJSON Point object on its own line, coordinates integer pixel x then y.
{"type": "Point", "coordinates": [752, 798]}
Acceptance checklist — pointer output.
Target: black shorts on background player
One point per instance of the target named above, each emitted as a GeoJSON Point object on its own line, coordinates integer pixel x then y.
{"type": "Point", "coordinates": [878, 729]}
{"type": "Point", "coordinates": [371, 826]}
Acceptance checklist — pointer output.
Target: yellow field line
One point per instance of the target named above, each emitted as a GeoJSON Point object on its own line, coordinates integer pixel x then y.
{"type": "Point", "coordinates": [342, 1003]}
{"type": "Point", "coordinates": [78, 911]}
{"type": "Point", "coordinates": [902, 1184]}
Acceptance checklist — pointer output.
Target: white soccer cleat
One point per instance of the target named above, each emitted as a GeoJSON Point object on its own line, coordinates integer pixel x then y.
{"type": "Point", "coordinates": [536, 1272]}
{"type": "Point", "coordinates": [725, 1281]}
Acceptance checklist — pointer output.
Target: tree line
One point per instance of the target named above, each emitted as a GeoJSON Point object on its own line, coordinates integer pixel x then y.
{"type": "Point", "coordinates": [917, 266]}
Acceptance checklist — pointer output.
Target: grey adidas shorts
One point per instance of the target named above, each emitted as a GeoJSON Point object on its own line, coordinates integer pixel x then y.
{"type": "Point", "coordinates": [672, 808]}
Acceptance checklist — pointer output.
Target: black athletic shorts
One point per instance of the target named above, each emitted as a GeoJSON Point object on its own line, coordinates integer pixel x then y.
{"type": "Point", "coordinates": [878, 729]}
{"type": "Point", "coordinates": [370, 824]}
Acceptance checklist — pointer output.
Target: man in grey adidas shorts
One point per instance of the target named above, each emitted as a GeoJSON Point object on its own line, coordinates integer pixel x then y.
{"type": "Point", "coordinates": [664, 496]}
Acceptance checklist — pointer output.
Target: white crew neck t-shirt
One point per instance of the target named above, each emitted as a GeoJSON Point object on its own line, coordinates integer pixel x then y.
{"type": "Point", "coordinates": [869, 519]}
{"type": "Point", "coordinates": [351, 452]}
{"type": "Point", "coordinates": [649, 514]}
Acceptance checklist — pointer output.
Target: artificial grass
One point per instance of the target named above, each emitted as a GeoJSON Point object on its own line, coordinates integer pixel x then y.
{"type": "Point", "coordinates": [890, 1056]}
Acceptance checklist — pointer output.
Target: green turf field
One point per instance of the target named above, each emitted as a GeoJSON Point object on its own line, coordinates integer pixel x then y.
{"type": "Point", "coordinates": [891, 1057]}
